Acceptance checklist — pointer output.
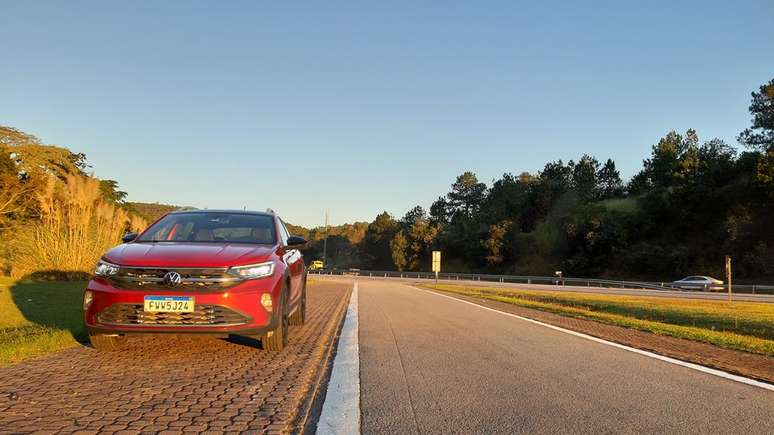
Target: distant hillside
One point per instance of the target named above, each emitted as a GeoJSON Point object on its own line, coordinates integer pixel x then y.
{"type": "Point", "coordinates": [342, 247]}
{"type": "Point", "coordinates": [151, 211]}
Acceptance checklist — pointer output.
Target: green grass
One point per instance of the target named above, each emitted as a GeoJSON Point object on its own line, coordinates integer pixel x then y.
{"type": "Point", "coordinates": [746, 326]}
{"type": "Point", "coordinates": [37, 318]}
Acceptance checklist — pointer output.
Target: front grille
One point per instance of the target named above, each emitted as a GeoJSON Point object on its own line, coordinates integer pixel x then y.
{"type": "Point", "coordinates": [138, 278]}
{"type": "Point", "coordinates": [203, 315]}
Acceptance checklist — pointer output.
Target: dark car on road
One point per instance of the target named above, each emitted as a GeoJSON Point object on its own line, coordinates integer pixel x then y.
{"type": "Point", "coordinates": [215, 272]}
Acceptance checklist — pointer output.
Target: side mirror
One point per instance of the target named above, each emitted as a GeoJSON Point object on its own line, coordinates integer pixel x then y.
{"type": "Point", "coordinates": [129, 237]}
{"type": "Point", "coordinates": [296, 241]}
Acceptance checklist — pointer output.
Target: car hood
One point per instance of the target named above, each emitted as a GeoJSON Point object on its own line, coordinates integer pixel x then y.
{"type": "Point", "coordinates": [175, 254]}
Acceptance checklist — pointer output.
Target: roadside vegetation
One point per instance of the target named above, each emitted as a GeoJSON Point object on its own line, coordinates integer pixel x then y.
{"type": "Point", "coordinates": [55, 218]}
{"type": "Point", "coordinates": [692, 202]}
{"type": "Point", "coordinates": [746, 326]}
{"type": "Point", "coordinates": [37, 318]}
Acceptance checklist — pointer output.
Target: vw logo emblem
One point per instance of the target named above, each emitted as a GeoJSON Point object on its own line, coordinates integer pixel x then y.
{"type": "Point", "coordinates": [172, 279]}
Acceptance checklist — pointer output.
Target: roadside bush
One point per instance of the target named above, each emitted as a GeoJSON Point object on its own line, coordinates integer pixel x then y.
{"type": "Point", "coordinates": [75, 226]}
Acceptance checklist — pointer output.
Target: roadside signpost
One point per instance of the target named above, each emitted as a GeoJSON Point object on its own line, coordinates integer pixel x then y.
{"type": "Point", "coordinates": [436, 265]}
{"type": "Point", "coordinates": [728, 275]}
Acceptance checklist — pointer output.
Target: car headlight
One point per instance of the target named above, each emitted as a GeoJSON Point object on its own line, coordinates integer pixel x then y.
{"type": "Point", "coordinates": [251, 271]}
{"type": "Point", "coordinates": [105, 269]}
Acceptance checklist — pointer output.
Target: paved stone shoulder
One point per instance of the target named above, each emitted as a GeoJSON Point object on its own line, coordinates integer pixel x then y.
{"type": "Point", "coordinates": [174, 384]}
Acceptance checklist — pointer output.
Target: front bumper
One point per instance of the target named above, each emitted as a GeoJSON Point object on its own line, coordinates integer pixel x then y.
{"type": "Point", "coordinates": [236, 310]}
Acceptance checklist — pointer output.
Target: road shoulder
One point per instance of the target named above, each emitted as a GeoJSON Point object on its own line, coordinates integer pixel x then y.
{"type": "Point", "coordinates": [170, 383]}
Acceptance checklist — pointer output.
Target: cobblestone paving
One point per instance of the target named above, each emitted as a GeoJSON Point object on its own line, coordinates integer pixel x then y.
{"type": "Point", "coordinates": [174, 384]}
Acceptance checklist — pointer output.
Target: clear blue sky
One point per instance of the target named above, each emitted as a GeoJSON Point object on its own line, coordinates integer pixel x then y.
{"type": "Point", "coordinates": [361, 108]}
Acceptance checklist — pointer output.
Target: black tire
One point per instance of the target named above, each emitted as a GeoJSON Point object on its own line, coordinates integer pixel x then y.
{"type": "Point", "coordinates": [299, 316]}
{"type": "Point", "coordinates": [103, 342]}
{"type": "Point", "coordinates": [277, 339]}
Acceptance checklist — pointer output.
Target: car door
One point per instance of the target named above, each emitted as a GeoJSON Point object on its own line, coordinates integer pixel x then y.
{"type": "Point", "coordinates": [294, 260]}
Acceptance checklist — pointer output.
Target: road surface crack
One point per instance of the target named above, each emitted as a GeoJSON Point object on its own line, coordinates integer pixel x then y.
{"type": "Point", "coordinates": [403, 372]}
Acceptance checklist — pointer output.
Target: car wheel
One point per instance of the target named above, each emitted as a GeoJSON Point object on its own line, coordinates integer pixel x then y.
{"type": "Point", "coordinates": [277, 339]}
{"type": "Point", "coordinates": [299, 316]}
{"type": "Point", "coordinates": [108, 342]}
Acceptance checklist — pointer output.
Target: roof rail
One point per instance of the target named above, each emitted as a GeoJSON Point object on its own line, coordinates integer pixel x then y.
{"type": "Point", "coordinates": [268, 210]}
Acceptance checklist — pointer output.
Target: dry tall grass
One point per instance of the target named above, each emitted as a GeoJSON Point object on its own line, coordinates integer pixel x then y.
{"type": "Point", "coordinates": [75, 227]}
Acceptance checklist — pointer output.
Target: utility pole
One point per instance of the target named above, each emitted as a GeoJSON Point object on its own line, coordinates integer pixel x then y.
{"type": "Point", "coordinates": [325, 241]}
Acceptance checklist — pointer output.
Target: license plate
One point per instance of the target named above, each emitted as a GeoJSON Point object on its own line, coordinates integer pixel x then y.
{"type": "Point", "coordinates": [169, 304]}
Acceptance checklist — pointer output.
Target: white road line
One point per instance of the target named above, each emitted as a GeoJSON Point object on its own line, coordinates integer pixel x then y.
{"type": "Point", "coordinates": [341, 408]}
{"type": "Point", "coordinates": [715, 372]}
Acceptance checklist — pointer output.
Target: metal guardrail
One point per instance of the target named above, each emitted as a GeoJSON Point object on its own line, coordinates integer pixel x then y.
{"type": "Point", "coordinates": [552, 280]}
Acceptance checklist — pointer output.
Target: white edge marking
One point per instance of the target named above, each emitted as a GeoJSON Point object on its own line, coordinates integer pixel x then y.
{"type": "Point", "coordinates": [715, 372]}
{"type": "Point", "coordinates": [341, 409]}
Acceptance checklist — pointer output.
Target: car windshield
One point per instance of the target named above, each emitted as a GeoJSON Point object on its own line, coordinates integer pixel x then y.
{"type": "Point", "coordinates": [212, 227]}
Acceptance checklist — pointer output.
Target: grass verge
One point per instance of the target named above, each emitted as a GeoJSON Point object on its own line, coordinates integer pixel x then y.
{"type": "Point", "coordinates": [746, 326]}
{"type": "Point", "coordinates": [37, 318]}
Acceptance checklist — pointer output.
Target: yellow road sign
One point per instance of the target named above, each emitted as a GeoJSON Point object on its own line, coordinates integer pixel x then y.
{"type": "Point", "coordinates": [436, 261]}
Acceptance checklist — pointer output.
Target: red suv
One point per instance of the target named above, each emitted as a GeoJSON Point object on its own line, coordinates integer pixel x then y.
{"type": "Point", "coordinates": [216, 272]}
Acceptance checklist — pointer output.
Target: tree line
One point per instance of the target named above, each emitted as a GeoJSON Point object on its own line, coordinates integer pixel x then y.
{"type": "Point", "coordinates": [691, 203]}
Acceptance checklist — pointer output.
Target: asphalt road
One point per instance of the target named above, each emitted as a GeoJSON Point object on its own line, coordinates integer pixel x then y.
{"type": "Point", "coordinates": [580, 289]}
{"type": "Point", "coordinates": [430, 364]}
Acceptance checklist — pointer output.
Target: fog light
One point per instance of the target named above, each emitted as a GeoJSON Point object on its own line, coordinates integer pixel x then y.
{"type": "Point", "coordinates": [88, 297]}
{"type": "Point", "coordinates": [266, 301]}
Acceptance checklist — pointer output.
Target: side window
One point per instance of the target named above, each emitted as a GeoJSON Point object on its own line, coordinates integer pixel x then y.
{"type": "Point", "coordinates": [283, 233]}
